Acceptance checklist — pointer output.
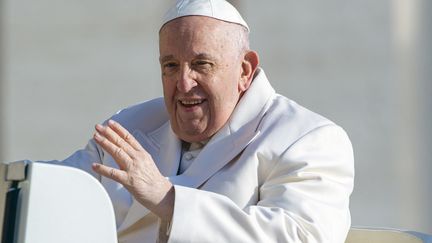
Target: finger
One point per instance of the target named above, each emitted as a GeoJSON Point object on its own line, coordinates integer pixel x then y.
{"type": "Point", "coordinates": [112, 173]}
{"type": "Point", "coordinates": [115, 138]}
{"type": "Point", "coordinates": [123, 133]}
{"type": "Point", "coordinates": [120, 156]}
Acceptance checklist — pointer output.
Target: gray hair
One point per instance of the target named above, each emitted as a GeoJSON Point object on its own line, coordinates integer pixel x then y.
{"type": "Point", "coordinates": [240, 37]}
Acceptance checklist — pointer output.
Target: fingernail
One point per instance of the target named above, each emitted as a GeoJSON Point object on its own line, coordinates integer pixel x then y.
{"type": "Point", "coordinates": [97, 136]}
{"type": "Point", "coordinates": [111, 122]}
{"type": "Point", "coordinates": [99, 127]}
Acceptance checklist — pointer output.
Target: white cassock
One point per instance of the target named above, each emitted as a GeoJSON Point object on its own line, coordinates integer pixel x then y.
{"type": "Point", "coordinates": [276, 172]}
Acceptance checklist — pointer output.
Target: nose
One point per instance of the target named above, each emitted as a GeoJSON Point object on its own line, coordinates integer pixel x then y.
{"type": "Point", "coordinates": [186, 82]}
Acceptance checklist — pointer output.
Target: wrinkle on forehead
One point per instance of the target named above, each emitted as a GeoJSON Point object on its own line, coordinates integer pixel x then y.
{"type": "Point", "coordinates": [207, 56]}
{"type": "Point", "coordinates": [197, 21]}
{"type": "Point", "coordinates": [191, 28]}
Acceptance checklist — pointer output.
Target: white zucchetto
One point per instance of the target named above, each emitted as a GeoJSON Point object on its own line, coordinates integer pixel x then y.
{"type": "Point", "coordinates": [218, 9]}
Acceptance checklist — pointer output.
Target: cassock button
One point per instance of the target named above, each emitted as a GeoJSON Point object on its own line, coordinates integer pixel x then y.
{"type": "Point", "coordinates": [188, 156]}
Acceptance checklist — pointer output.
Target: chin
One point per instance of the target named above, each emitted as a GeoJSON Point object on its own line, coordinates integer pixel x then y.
{"type": "Point", "coordinates": [193, 136]}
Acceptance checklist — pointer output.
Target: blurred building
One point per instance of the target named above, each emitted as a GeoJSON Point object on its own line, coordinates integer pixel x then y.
{"type": "Point", "coordinates": [67, 65]}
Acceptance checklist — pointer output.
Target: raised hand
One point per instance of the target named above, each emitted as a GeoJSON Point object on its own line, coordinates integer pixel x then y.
{"type": "Point", "coordinates": [137, 171]}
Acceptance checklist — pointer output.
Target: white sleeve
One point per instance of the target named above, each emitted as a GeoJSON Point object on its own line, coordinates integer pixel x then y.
{"type": "Point", "coordinates": [305, 198]}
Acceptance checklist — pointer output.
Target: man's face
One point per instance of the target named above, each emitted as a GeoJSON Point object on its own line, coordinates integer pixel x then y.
{"type": "Point", "coordinates": [201, 74]}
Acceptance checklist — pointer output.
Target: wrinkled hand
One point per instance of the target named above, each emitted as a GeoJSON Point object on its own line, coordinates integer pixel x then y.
{"type": "Point", "coordinates": [137, 171]}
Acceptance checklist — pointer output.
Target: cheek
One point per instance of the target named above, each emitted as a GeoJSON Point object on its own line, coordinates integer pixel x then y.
{"type": "Point", "coordinates": [168, 88]}
{"type": "Point", "coordinates": [224, 101]}
{"type": "Point", "coordinates": [168, 93]}
{"type": "Point", "coordinates": [230, 93]}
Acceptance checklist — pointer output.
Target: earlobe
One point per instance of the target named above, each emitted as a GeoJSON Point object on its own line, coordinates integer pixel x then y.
{"type": "Point", "coordinates": [249, 66]}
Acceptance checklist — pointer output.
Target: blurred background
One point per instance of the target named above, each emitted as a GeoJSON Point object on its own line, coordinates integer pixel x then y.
{"type": "Point", "coordinates": [67, 65]}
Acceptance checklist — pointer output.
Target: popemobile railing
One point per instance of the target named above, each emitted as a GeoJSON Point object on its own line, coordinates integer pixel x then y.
{"type": "Point", "coordinates": [51, 204]}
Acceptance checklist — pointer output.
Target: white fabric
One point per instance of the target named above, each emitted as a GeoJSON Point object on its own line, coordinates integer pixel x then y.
{"type": "Point", "coordinates": [187, 159]}
{"type": "Point", "coordinates": [276, 172]}
{"type": "Point", "coordinates": [189, 155]}
{"type": "Point", "coordinates": [218, 9]}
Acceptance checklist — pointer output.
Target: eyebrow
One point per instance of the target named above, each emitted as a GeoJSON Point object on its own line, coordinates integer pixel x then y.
{"type": "Point", "coordinates": [204, 56]}
{"type": "Point", "coordinates": [197, 56]}
{"type": "Point", "coordinates": [165, 58]}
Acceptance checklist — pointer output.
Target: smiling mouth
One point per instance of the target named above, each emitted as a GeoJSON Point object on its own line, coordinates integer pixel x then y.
{"type": "Point", "coordinates": [191, 103]}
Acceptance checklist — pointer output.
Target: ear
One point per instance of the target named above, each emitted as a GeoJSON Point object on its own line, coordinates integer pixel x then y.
{"type": "Point", "coordinates": [249, 66]}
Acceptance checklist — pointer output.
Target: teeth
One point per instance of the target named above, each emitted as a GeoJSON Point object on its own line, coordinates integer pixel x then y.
{"type": "Point", "coordinates": [191, 102]}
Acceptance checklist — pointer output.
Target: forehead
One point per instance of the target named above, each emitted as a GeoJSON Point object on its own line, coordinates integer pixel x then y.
{"type": "Point", "coordinates": [190, 24]}
{"type": "Point", "coordinates": [196, 34]}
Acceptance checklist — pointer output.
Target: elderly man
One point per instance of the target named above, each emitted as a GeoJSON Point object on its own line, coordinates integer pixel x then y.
{"type": "Point", "coordinates": [222, 158]}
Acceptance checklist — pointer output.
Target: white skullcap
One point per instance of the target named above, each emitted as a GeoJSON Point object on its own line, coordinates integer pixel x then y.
{"type": "Point", "coordinates": [218, 9]}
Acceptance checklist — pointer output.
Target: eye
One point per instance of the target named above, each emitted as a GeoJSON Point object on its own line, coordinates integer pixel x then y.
{"type": "Point", "coordinates": [202, 65]}
{"type": "Point", "coordinates": [170, 65]}
{"type": "Point", "coordinates": [169, 68]}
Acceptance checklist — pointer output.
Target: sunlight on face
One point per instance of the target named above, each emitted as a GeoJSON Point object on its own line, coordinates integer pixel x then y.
{"type": "Point", "coordinates": [201, 70]}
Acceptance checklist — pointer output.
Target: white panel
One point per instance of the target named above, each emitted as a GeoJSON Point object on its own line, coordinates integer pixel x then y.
{"type": "Point", "coordinates": [63, 204]}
